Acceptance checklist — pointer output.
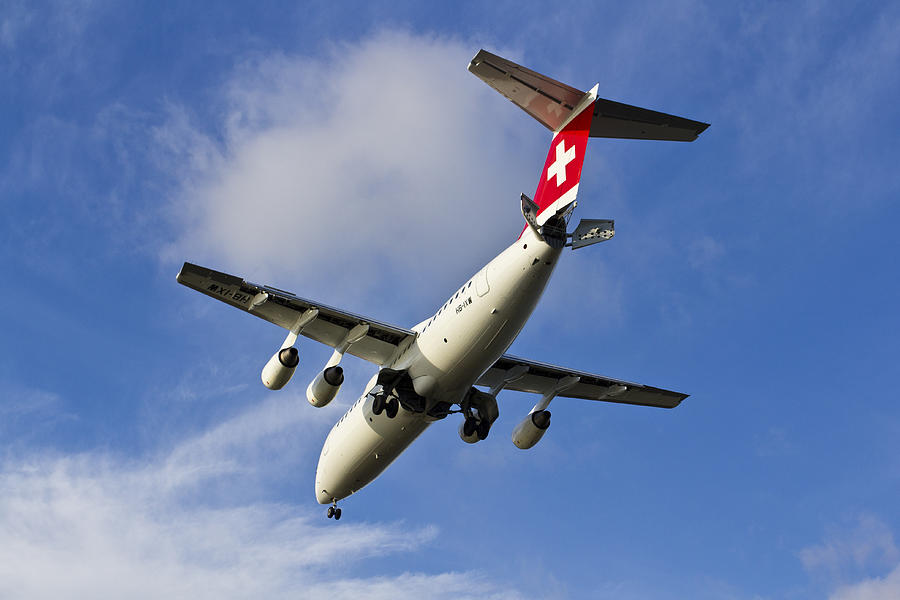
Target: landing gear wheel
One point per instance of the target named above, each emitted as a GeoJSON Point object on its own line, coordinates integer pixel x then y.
{"type": "Point", "coordinates": [470, 426]}
{"type": "Point", "coordinates": [378, 405]}
{"type": "Point", "coordinates": [337, 514]}
{"type": "Point", "coordinates": [483, 429]}
{"type": "Point", "coordinates": [392, 407]}
{"type": "Point", "coordinates": [331, 512]}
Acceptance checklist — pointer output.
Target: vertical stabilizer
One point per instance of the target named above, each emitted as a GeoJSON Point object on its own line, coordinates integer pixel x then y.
{"type": "Point", "coordinates": [558, 186]}
{"type": "Point", "coordinates": [573, 116]}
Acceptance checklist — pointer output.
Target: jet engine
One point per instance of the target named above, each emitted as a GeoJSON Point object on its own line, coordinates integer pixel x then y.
{"type": "Point", "coordinates": [325, 386]}
{"type": "Point", "coordinates": [530, 431]}
{"type": "Point", "coordinates": [280, 368]}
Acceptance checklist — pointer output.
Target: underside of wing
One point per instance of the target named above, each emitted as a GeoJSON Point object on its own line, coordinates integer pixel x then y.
{"type": "Point", "coordinates": [547, 100]}
{"type": "Point", "coordinates": [522, 375]}
{"type": "Point", "coordinates": [331, 326]}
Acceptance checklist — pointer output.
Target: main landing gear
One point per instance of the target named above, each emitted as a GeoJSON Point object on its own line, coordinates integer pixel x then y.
{"type": "Point", "coordinates": [388, 406]}
{"type": "Point", "coordinates": [474, 425]}
{"type": "Point", "coordinates": [334, 511]}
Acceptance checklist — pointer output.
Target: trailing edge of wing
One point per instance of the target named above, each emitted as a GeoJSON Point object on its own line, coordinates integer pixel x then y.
{"type": "Point", "coordinates": [543, 378]}
{"type": "Point", "coordinates": [551, 103]}
{"type": "Point", "coordinates": [282, 308]}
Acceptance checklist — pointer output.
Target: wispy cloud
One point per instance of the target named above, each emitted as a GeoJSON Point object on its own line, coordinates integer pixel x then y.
{"type": "Point", "coordinates": [339, 172]}
{"type": "Point", "coordinates": [874, 588]}
{"type": "Point", "coordinates": [19, 400]}
{"type": "Point", "coordinates": [96, 525]}
{"type": "Point", "coordinates": [848, 559]}
{"type": "Point", "coordinates": [27, 412]}
{"type": "Point", "coordinates": [15, 18]}
{"type": "Point", "coordinates": [828, 103]}
{"type": "Point", "coordinates": [869, 542]}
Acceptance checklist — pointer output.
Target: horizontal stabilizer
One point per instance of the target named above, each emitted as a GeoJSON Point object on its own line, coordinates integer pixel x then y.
{"type": "Point", "coordinates": [553, 103]}
{"type": "Point", "coordinates": [617, 120]}
{"type": "Point", "coordinates": [545, 99]}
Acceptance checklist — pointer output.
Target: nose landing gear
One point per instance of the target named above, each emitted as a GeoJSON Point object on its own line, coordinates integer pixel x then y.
{"type": "Point", "coordinates": [334, 511]}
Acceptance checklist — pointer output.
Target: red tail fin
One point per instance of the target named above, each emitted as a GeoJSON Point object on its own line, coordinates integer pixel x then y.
{"type": "Point", "coordinates": [558, 185]}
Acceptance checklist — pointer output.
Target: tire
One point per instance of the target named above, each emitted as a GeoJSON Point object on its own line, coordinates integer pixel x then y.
{"type": "Point", "coordinates": [378, 405]}
{"type": "Point", "coordinates": [392, 407]}
{"type": "Point", "coordinates": [337, 514]}
{"type": "Point", "coordinates": [331, 511]}
{"type": "Point", "coordinates": [483, 429]}
{"type": "Point", "coordinates": [470, 426]}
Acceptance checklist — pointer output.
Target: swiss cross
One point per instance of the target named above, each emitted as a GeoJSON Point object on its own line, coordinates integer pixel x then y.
{"type": "Point", "coordinates": [563, 158]}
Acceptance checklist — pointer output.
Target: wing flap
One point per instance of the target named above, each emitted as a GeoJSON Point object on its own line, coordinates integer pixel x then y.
{"type": "Point", "coordinates": [283, 308]}
{"type": "Point", "coordinates": [541, 378]}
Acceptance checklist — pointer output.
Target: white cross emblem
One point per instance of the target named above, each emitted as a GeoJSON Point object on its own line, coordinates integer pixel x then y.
{"type": "Point", "coordinates": [563, 158]}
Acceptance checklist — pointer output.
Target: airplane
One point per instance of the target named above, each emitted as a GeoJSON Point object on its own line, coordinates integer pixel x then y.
{"type": "Point", "coordinates": [454, 361]}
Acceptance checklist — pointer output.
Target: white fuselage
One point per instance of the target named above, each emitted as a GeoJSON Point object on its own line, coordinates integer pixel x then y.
{"type": "Point", "coordinates": [454, 347]}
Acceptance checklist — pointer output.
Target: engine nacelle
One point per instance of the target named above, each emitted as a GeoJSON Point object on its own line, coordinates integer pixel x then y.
{"type": "Point", "coordinates": [280, 368]}
{"type": "Point", "coordinates": [325, 386]}
{"type": "Point", "coordinates": [530, 431]}
{"type": "Point", "coordinates": [469, 439]}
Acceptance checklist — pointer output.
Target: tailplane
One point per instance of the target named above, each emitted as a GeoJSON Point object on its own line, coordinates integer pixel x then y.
{"type": "Point", "coordinates": [573, 116]}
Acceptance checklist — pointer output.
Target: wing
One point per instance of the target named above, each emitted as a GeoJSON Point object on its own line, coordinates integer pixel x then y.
{"type": "Point", "coordinates": [521, 375]}
{"type": "Point", "coordinates": [331, 326]}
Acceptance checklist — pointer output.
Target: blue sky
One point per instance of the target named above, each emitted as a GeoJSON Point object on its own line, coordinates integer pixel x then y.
{"type": "Point", "coordinates": [343, 152]}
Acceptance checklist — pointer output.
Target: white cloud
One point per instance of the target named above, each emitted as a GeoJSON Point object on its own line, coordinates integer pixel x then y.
{"type": "Point", "coordinates": [876, 588]}
{"type": "Point", "coordinates": [338, 173]}
{"type": "Point", "coordinates": [853, 555]}
{"type": "Point", "coordinates": [869, 542]}
{"type": "Point", "coordinates": [94, 525]}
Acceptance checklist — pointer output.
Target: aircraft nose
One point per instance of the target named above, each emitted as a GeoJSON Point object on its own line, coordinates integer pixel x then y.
{"type": "Point", "coordinates": [324, 484]}
{"type": "Point", "coordinates": [331, 483]}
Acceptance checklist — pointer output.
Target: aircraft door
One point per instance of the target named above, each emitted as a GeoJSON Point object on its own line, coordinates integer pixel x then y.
{"type": "Point", "coordinates": [481, 282]}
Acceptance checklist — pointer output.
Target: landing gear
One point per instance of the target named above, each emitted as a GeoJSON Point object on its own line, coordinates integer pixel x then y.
{"type": "Point", "coordinates": [393, 405]}
{"type": "Point", "coordinates": [334, 512]}
{"type": "Point", "coordinates": [382, 404]}
{"type": "Point", "coordinates": [480, 410]}
{"type": "Point", "coordinates": [483, 429]}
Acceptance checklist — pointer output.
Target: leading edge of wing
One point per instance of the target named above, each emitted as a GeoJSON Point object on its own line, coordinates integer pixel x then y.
{"type": "Point", "coordinates": [541, 378]}
{"type": "Point", "coordinates": [283, 308]}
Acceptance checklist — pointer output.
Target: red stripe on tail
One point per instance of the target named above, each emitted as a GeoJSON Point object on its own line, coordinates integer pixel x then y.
{"type": "Point", "coordinates": [562, 169]}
